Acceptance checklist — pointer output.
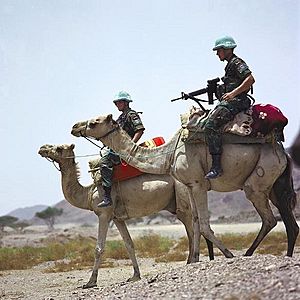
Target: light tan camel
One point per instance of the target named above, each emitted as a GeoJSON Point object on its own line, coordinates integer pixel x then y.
{"type": "Point", "coordinates": [263, 171]}
{"type": "Point", "coordinates": [133, 198]}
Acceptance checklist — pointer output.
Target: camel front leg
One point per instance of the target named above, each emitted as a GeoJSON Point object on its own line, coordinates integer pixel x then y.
{"type": "Point", "coordinates": [196, 230]}
{"type": "Point", "coordinates": [197, 235]}
{"type": "Point", "coordinates": [130, 248]}
{"type": "Point", "coordinates": [189, 219]}
{"type": "Point", "coordinates": [188, 224]}
{"type": "Point", "coordinates": [102, 233]}
{"type": "Point", "coordinates": [199, 197]}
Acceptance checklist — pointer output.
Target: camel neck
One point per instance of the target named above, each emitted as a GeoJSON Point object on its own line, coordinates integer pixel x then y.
{"type": "Point", "coordinates": [74, 192]}
{"type": "Point", "coordinates": [155, 160]}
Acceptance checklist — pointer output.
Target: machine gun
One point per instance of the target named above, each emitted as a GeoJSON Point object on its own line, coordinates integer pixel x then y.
{"type": "Point", "coordinates": [211, 90]}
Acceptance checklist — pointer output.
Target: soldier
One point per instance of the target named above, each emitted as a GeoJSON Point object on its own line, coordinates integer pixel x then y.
{"type": "Point", "coordinates": [130, 121]}
{"type": "Point", "coordinates": [238, 80]}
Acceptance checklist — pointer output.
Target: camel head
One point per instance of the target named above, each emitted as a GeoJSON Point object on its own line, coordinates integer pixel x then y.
{"type": "Point", "coordinates": [96, 127]}
{"type": "Point", "coordinates": [196, 115]}
{"type": "Point", "coordinates": [57, 153]}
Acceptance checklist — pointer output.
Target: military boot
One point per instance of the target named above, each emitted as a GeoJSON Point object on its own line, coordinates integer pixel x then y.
{"type": "Point", "coordinates": [216, 169]}
{"type": "Point", "coordinates": [106, 198]}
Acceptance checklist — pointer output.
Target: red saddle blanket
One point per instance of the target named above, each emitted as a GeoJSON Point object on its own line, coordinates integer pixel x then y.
{"type": "Point", "coordinates": [124, 171]}
{"type": "Point", "coordinates": [266, 118]}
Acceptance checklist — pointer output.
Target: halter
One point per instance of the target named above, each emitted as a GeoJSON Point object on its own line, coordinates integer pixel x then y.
{"type": "Point", "coordinates": [99, 138]}
{"type": "Point", "coordinates": [53, 162]}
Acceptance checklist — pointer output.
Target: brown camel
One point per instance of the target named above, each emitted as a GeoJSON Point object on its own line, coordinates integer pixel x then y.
{"type": "Point", "coordinates": [295, 150]}
{"type": "Point", "coordinates": [133, 198]}
{"type": "Point", "coordinates": [263, 171]}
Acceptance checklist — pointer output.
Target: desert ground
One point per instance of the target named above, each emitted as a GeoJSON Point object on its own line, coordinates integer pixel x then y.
{"type": "Point", "coordinates": [257, 277]}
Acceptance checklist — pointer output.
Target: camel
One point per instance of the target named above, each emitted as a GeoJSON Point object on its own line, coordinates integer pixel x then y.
{"type": "Point", "coordinates": [263, 171]}
{"type": "Point", "coordinates": [133, 198]}
{"type": "Point", "coordinates": [295, 150]}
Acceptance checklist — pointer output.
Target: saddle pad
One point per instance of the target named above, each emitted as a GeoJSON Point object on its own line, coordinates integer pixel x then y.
{"type": "Point", "coordinates": [124, 171]}
{"type": "Point", "coordinates": [189, 136]}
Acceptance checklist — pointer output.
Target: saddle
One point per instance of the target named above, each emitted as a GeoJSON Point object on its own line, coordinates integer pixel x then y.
{"type": "Point", "coordinates": [122, 171]}
{"type": "Point", "coordinates": [261, 123]}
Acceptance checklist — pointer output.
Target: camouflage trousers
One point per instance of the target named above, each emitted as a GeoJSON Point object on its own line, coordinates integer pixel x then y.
{"type": "Point", "coordinates": [107, 162]}
{"type": "Point", "coordinates": [221, 115]}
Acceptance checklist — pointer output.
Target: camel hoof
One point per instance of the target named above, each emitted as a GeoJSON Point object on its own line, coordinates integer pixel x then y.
{"type": "Point", "coordinates": [89, 285]}
{"type": "Point", "coordinates": [193, 261]}
{"type": "Point", "coordinates": [133, 279]}
{"type": "Point", "coordinates": [228, 254]}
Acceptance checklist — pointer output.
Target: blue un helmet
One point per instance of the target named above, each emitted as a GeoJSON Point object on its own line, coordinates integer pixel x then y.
{"type": "Point", "coordinates": [226, 42]}
{"type": "Point", "coordinates": [122, 96]}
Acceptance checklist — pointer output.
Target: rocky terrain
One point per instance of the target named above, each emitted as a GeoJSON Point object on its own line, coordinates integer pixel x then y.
{"type": "Point", "coordinates": [250, 278]}
{"type": "Point", "coordinates": [253, 278]}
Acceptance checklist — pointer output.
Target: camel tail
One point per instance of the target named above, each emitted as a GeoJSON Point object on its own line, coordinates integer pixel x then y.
{"type": "Point", "coordinates": [286, 201]}
{"type": "Point", "coordinates": [284, 187]}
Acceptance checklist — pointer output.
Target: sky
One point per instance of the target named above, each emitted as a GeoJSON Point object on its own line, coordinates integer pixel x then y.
{"type": "Point", "coordinates": [62, 61]}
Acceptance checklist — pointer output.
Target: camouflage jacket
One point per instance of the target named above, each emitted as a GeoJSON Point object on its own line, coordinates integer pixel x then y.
{"type": "Point", "coordinates": [236, 71]}
{"type": "Point", "coordinates": [130, 121]}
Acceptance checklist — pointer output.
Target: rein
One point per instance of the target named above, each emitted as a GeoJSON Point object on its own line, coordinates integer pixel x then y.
{"type": "Point", "coordinates": [68, 157]}
{"type": "Point", "coordinates": [53, 162]}
{"type": "Point", "coordinates": [97, 139]}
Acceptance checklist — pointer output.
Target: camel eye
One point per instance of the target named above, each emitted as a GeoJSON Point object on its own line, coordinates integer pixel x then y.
{"type": "Point", "coordinates": [59, 149]}
{"type": "Point", "coordinates": [92, 124]}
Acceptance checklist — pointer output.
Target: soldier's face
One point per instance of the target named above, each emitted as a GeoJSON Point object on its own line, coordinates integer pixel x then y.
{"type": "Point", "coordinates": [221, 54]}
{"type": "Point", "coordinates": [121, 105]}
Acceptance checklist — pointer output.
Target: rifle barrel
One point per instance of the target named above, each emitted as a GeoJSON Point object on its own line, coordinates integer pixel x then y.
{"type": "Point", "coordinates": [179, 98]}
{"type": "Point", "coordinates": [198, 92]}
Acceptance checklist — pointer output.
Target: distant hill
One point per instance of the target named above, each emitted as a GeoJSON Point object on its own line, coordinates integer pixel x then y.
{"type": "Point", "coordinates": [73, 214]}
{"type": "Point", "coordinates": [27, 213]}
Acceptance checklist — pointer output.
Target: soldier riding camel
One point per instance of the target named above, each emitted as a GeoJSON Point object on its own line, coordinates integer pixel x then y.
{"type": "Point", "coordinates": [238, 80]}
{"type": "Point", "coordinates": [131, 122]}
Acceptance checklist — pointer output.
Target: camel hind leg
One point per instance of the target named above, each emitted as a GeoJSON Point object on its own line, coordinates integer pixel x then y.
{"type": "Point", "coordinates": [261, 204]}
{"type": "Point", "coordinates": [257, 188]}
{"type": "Point", "coordinates": [284, 198]}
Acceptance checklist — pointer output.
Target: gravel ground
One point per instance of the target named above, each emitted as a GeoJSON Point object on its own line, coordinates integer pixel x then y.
{"type": "Point", "coordinates": [257, 277]}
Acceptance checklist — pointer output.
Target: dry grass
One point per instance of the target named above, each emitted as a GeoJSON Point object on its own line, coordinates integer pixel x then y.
{"type": "Point", "coordinates": [79, 253]}
{"type": "Point", "coordinates": [153, 245]}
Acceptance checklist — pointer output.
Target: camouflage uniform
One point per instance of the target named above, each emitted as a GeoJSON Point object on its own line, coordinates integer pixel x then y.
{"type": "Point", "coordinates": [131, 122]}
{"type": "Point", "coordinates": [236, 71]}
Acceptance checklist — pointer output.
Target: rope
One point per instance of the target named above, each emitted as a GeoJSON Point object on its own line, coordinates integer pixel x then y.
{"type": "Point", "coordinates": [79, 156]}
{"type": "Point", "coordinates": [90, 196]}
{"type": "Point", "coordinates": [53, 162]}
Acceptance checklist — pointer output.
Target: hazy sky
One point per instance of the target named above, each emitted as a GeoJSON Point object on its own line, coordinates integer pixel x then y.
{"type": "Point", "coordinates": [62, 61]}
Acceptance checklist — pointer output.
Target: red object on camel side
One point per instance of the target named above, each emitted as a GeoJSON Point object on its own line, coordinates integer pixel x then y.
{"type": "Point", "coordinates": [125, 171]}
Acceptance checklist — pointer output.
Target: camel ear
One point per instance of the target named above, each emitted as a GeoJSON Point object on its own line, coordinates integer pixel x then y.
{"type": "Point", "coordinates": [72, 146]}
{"type": "Point", "coordinates": [108, 118]}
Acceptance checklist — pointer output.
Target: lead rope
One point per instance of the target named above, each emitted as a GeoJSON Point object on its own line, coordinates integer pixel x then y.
{"type": "Point", "coordinates": [53, 162]}
{"type": "Point", "coordinates": [88, 139]}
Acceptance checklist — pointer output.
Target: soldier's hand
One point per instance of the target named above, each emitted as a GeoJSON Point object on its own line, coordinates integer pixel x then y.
{"type": "Point", "coordinates": [228, 96]}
